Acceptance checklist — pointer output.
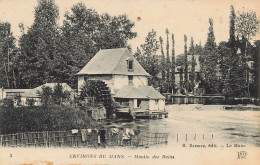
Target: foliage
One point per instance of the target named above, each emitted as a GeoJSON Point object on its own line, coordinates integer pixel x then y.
{"type": "Point", "coordinates": [162, 59]}
{"type": "Point", "coordinates": [85, 32]}
{"type": "Point", "coordinates": [38, 46]}
{"type": "Point", "coordinates": [50, 53]}
{"type": "Point", "coordinates": [168, 62]}
{"type": "Point", "coordinates": [193, 63]}
{"type": "Point", "coordinates": [247, 23]}
{"type": "Point", "coordinates": [8, 55]}
{"type": "Point", "coordinates": [53, 118]}
{"type": "Point", "coordinates": [8, 103]}
{"type": "Point", "coordinates": [232, 64]}
{"type": "Point", "coordinates": [30, 102]}
{"type": "Point", "coordinates": [150, 60]}
{"type": "Point", "coordinates": [173, 66]}
{"type": "Point", "coordinates": [186, 81]}
{"type": "Point", "coordinates": [254, 84]}
{"type": "Point", "coordinates": [57, 95]}
{"type": "Point", "coordinates": [209, 62]}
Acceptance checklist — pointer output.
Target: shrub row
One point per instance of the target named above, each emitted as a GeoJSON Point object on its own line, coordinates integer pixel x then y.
{"type": "Point", "coordinates": [30, 119]}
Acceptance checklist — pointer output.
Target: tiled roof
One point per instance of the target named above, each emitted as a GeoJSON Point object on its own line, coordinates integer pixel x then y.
{"type": "Point", "coordinates": [112, 61]}
{"type": "Point", "coordinates": [15, 90]}
{"type": "Point", "coordinates": [142, 92]}
{"type": "Point", "coordinates": [34, 93]}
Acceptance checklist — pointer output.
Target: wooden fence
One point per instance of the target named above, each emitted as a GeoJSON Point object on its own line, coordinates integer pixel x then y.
{"type": "Point", "coordinates": [68, 139]}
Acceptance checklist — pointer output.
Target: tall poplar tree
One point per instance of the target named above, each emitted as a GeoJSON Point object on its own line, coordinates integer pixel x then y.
{"type": "Point", "coordinates": [185, 63]}
{"type": "Point", "coordinates": [193, 63]}
{"type": "Point", "coordinates": [162, 59]}
{"type": "Point", "coordinates": [168, 62]}
{"type": "Point", "coordinates": [209, 62]}
{"type": "Point", "coordinates": [173, 65]}
{"type": "Point", "coordinates": [8, 55]}
{"type": "Point", "coordinates": [235, 66]}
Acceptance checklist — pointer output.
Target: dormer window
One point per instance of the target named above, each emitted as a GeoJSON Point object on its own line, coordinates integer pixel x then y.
{"type": "Point", "coordinates": [130, 64]}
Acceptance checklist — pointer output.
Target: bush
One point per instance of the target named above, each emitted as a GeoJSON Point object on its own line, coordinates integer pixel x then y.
{"type": "Point", "coordinates": [30, 102]}
{"type": "Point", "coordinates": [30, 119]}
{"type": "Point", "coordinates": [8, 103]}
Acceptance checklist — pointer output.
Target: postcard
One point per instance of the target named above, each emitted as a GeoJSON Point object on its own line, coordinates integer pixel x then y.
{"type": "Point", "coordinates": [93, 82]}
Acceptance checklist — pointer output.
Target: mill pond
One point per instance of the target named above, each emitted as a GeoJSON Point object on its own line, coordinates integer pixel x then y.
{"type": "Point", "coordinates": [205, 124]}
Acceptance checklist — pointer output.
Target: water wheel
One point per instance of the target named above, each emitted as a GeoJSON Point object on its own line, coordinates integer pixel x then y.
{"type": "Point", "coordinates": [100, 92]}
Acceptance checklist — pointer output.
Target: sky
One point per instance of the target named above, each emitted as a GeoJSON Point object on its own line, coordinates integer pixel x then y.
{"type": "Point", "coordinates": [181, 17]}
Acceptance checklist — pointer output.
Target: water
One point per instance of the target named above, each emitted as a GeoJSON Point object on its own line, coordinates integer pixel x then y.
{"type": "Point", "coordinates": [204, 124]}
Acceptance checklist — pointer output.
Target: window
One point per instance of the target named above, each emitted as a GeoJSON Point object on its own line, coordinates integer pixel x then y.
{"type": "Point", "coordinates": [130, 65]}
{"type": "Point", "coordinates": [130, 80]}
{"type": "Point", "coordinates": [139, 103]}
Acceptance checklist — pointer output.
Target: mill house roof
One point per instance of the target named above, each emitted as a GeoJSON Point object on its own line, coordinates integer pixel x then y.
{"type": "Point", "coordinates": [113, 61]}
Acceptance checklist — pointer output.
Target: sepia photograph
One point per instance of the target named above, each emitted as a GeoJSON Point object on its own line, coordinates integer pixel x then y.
{"type": "Point", "coordinates": [107, 82]}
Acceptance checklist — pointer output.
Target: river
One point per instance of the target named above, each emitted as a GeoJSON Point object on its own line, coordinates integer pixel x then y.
{"type": "Point", "coordinates": [204, 124]}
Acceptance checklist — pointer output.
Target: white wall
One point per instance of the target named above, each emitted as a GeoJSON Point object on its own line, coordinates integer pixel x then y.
{"type": "Point", "coordinates": [140, 81]}
{"type": "Point", "coordinates": [161, 104]}
{"type": "Point", "coordinates": [153, 105]}
{"type": "Point", "coordinates": [120, 81]}
{"type": "Point", "coordinates": [115, 82]}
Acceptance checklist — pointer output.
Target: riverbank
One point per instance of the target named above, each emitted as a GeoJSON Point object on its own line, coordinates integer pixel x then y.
{"type": "Point", "coordinates": [242, 107]}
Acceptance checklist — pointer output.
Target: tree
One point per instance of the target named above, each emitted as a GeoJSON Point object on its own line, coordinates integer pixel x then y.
{"type": "Point", "coordinates": [185, 63]}
{"type": "Point", "coordinates": [138, 54]}
{"type": "Point", "coordinates": [254, 71]}
{"type": "Point", "coordinates": [8, 54]}
{"type": "Point", "coordinates": [247, 24]}
{"type": "Point", "coordinates": [181, 80]}
{"type": "Point", "coordinates": [209, 62]}
{"type": "Point", "coordinates": [193, 63]}
{"type": "Point", "coordinates": [60, 95]}
{"type": "Point", "coordinates": [233, 65]}
{"type": "Point", "coordinates": [151, 59]}
{"type": "Point", "coordinates": [197, 49]}
{"type": "Point", "coordinates": [162, 59]}
{"type": "Point", "coordinates": [39, 46]}
{"type": "Point", "coordinates": [85, 32]}
{"type": "Point", "coordinates": [46, 94]}
{"type": "Point", "coordinates": [173, 66]}
{"type": "Point", "coordinates": [168, 62]}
